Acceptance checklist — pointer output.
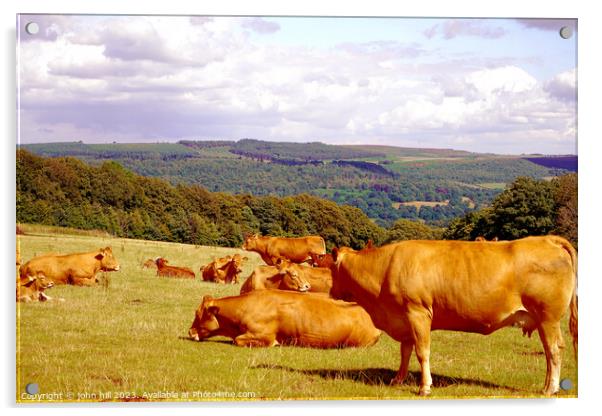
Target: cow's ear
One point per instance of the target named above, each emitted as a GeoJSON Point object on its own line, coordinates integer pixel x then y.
{"type": "Point", "coordinates": [100, 255]}
{"type": "Point", "coordinates": [213, 310]}
{"type": "Point", "coordinates": [335, 253]}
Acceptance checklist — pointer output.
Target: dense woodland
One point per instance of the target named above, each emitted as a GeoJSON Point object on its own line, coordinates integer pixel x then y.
{"type": "Point", "coordinates": [65, 191]}
{"type": "Point", "coordinates": [375, 179]}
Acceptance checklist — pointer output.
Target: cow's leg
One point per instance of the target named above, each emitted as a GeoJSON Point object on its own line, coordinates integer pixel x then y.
{"type": "Point", "coordinates": [551, 338]}
{"type": "Point", "coordinates": [406, 352]}
{"type": "Point", "coordinates": [420, 322]}
{"type": "Point", "coordinates": [252, 340]}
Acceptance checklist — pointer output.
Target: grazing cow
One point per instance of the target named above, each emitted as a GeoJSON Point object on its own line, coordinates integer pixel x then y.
{"type": "Point", "coordinates": [413, 287]}
{"type": "Point", "coordinates": [163, 269]}
{"type": "Point", "coordinates": [224, 270]}
{"type": "Point", "coordinates": [265, 318]}
{"type": "Point", "coordinates": [319, 278]}
{"type": "Point", "coordinates": [297, 250]}
{"type": "Point", "coordinates": [31, 288]}
{"type": "Point", "coordinates": [78, 269]}
{"type": "Point", "coordinates": [272, 277]}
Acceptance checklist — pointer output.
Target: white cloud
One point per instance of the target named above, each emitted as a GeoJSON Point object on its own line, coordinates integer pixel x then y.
{"type": "Point", "coordinates": [146, 78]}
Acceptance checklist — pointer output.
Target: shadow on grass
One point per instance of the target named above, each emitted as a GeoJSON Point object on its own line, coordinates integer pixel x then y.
{"type": "Point", "coordinates": [217, 341]}
{"type": "Point", "coordinates": [383, 376]}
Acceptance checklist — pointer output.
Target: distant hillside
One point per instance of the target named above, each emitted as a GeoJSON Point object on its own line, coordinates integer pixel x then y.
{"type": "Point", "coordinates": [69, 193]}
{"type": "Point", "coordinates": [376, 179]}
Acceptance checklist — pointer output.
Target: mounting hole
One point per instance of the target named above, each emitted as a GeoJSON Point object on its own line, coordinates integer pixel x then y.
{"type": "Point", "coordinates": [32, 28]}
{"type": "Point", "coordinates": [566, 384]}
{"type": "Point", "coordinates": [566, 32]}
{"type": "Point", "coordinates": [32, 388]}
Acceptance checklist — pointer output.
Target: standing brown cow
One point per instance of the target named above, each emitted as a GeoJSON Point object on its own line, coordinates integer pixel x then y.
{"type": "Point", "coordinates": [78, 269]}
{"type": "Point", "coordinates": [296, 249]}
{"type": "Point", "coordinates": [413, 287]}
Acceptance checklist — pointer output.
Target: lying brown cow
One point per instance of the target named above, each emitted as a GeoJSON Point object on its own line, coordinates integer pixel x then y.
{"type": "Point", "coordinates": [31, 288]}
{"type": "Point", "coordinates": [272, 277]}
{"type": "Point", "coordinates": [223, 270]}
{"type": "Point", "coordinates": [319, 278]}
{"type": "Point", "coordinates": [296, 250]}
{"type": "Point", "coordinates": [163, 269]}
{"type": "Point", "coordinates": [413, 287]}
{"type": "Point", "coordinates": [265, 318]}
{"type": "Point", "coordinates": [76, 269]}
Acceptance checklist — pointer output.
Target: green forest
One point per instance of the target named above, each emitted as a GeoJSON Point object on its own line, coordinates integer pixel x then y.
{"type": "Point", "coordinates": [68, 192]}
{"type": "Point", "coordinates": [381, 181]}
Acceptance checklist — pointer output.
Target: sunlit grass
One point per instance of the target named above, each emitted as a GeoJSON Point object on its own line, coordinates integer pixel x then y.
{"type": "Point", "coordinates": [130, 339]}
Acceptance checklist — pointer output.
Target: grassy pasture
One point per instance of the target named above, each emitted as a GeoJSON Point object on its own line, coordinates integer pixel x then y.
{"type": "Point", "coordinates": [129, 340]}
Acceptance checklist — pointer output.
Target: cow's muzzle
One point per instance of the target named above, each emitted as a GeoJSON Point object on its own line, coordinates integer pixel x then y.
{"type": "Point", "coordinates": [193, 334]}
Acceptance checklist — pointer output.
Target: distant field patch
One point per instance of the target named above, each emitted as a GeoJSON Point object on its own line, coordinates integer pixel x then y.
{"type": "Point", "coordinates": [468, 202]}
{"type": "Point", "coordinates": [420, 204]}
{"type": "Point", "coordinates": [493, 185]}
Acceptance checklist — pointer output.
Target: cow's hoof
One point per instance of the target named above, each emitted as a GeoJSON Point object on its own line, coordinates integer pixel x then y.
{"type": "Point", "coordinates": [397, 381]}
{"type": "Point", "coordinates": [550, 393]}
{"type": "Point", "coordinates": [424, 391]}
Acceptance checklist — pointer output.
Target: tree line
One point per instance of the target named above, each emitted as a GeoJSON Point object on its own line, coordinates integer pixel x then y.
{"type": "Point", "coordinates": [67, 192]}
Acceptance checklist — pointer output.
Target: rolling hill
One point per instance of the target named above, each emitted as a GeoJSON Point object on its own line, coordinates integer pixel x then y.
{"type": "Point", "coordinates": [376, 179]}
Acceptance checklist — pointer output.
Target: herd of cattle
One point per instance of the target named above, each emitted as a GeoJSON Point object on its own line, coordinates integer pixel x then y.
{"type": "Point", "coordinates": [305, 296]}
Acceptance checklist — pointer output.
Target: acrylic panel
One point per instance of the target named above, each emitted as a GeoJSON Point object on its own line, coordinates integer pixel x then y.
{"type": "Point", "coordinates": [246, 208]}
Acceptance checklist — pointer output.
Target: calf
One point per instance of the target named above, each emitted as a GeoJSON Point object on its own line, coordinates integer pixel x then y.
{"type": "Point", "coordinates": [266, 318]}
{"type": "Point", "coordinates": [31, 288]}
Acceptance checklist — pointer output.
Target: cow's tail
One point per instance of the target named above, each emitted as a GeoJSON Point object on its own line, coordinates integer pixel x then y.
{"type": "Point", "coordinates": [573, 319]}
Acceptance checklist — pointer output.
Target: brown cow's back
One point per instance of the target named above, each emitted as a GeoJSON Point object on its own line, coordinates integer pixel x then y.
{"type": "Point", "coordinates": [295, 249]}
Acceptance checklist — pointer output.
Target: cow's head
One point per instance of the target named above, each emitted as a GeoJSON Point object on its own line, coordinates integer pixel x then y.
{"type": "Point", "coordinates": [250, 242]}
{"type": "Point", "coordinates": [340, 283]}
{"type": "Point", "coordinates": [291, 278]}
{"type": "Point", "coordinates": [39, 281]}
{"type": "Point", "coordinates": [205, 322]}
{"type": "Point", "coordinates": [31, 287]}
{"type": "Point", "coordinates": [108, 263]}
{"type": "Point", "coordinates": [237, 261]}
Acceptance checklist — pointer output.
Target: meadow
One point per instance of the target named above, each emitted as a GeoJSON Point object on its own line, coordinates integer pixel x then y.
{"type": "Point", "coordinates": [126, 340]}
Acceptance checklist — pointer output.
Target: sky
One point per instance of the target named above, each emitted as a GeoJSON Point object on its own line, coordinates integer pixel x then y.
{"type": "Point", "coordinates": [485, 85]}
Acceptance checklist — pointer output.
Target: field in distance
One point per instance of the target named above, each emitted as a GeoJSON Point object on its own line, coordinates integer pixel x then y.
{"type": "Point", "coordinates": [130, 339]}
